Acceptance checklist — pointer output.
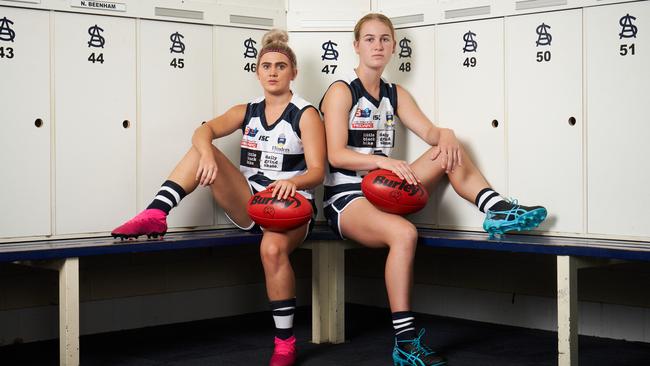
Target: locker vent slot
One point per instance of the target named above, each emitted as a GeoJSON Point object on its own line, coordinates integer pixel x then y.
{"type": "Point", "coordinates": [244, 19]}
{"type": "Point", "coordinates": [26, 1]}
{"type": "Point", "coordinates": [178, 13]}
{"type": "Point", "coordinates": [338, 23]}
{"type": "Point", "coordinates": [533, 4]}
{"type": "Point", "coordinates": [467, 12]}
{"type": "Point", "coordinates": [415, 18]}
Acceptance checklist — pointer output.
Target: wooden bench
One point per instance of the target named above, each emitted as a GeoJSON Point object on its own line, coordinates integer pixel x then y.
{"type": "Point", "coordinates": [328, 271]}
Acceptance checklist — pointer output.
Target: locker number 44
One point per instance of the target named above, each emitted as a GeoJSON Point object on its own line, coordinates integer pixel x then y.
{"type": "Point", "coordinates": [98, 58]}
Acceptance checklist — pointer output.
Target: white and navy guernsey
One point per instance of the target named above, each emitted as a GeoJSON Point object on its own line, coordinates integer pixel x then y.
{"type": "Point", "coordinates": [273, 152]}
{"type": "Point", "coordinates": [371, 130]}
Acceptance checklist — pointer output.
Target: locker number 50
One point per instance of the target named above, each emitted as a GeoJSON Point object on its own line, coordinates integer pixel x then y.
{"type": "Point", "coordinates": [544, 56]}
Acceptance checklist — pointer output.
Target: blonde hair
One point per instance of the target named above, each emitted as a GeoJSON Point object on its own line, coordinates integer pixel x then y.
{"type": "Point", "coordinates": [373, 16]}
{"type": "Point", "coordinates": [277, 40]}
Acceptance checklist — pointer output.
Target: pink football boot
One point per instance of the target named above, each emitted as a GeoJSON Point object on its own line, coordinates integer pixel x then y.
{"type": "Point", "coordinates": [150, 222]}
{"type": "Point", "coordinates": [284, 353]}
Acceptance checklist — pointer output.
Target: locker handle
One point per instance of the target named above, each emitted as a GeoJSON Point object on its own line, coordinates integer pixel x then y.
{"type": "Point", "coordinates": [572, 121]}
{"type": "Point", "coordinates": [126, 123]}
{"type": "Point", "coordinates": [38, 123]}
{"type": "Point", "coordinates": [495, 123]}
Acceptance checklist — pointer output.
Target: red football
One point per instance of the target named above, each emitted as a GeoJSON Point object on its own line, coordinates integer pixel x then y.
{"type": "Point", "coordinates": [389, 193]}
{"type": "Point", "coordinates": [279, 215]}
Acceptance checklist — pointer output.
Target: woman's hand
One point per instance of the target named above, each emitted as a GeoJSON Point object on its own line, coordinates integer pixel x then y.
{"type": "Point", "coordinates": [448, 151]}
{"type": "Point", "coordinates": [399, 167]}
{"type": "Point", "coordinates": [283, 188]}
{"type": "Point", "coordinates": [207, 171]}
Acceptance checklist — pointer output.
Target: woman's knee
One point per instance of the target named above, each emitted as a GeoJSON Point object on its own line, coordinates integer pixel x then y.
{"type": "Point", "coordinates": [404, 236]}
{"type": "Point", "coordinates": [272, 252]}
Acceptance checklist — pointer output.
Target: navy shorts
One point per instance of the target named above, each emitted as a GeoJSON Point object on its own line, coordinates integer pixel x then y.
{"type": "Point", "coordinates": [333, 211]}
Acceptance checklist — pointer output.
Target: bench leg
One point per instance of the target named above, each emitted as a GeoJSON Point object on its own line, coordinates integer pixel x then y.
{"type": "Point", "coordinates": [328, 292]}
{"type": "Point", "coordinates": [69, 312]}
{"type": "Point", "coordinates": [567, 310]}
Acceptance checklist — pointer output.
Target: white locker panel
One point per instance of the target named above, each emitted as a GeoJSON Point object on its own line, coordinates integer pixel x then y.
{"type": "Point", "coordinates": [176, 96]}
{"type": "Point", "coordinates": [25, 122]}
{"type": "Point", "coordinates": [340, 15]}
{"type": "Point", "coordinates": [412, 67]}
{"type": "Point", "coordinates": [470, 93]}
{"type": "Point", "coordinates": [323, 58]}
{"type": "Point", "coordinates": [236, 81]}
{"type": "Point", "coordinates": [544, 111]}
{"type": "Point", "coordinates": [95, 110]}
{"type": "Point", "coordinates": [618, 105]}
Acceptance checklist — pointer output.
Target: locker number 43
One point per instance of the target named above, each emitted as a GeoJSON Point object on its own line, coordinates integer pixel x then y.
{"type": "Point", "coordinates": [7, 52]}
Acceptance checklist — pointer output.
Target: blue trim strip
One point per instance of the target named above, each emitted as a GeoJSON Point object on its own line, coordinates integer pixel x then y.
{"type": "Point", "coordinates": [68, 248]}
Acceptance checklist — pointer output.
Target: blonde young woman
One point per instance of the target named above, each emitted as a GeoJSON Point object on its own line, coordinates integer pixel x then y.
{"type": "Point", "coordinates": [281, 124]}
{"type": "Point", "coordinates": [357, 111]}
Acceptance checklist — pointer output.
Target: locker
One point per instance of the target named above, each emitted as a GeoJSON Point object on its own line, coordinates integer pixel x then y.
{"type": "Point", "coordinates": [236, 81]}
{"type": "Point", "coordinates": [323, 57]}
{"type": "Point", "coordinates": [544, 115]}
{"type": "Point", "coordinates": [25, 122]}
{"type": "Point", "coordinates": [95, 111]}
{"type": "Point", "coordinates": [470, 100]}
{"type": "Point", "coordinates": [176, 96]}
{"type": "Point", "coordinates": [617, 107]}
{"type": "Point", "coordinates": [412, 67]}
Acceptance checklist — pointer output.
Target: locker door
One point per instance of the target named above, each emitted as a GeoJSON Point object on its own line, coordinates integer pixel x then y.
{"type": "Point", "coordinates": [544, 104]}
{"type": "Point", "coordinates": [618, 104]}
{"type": "Point", "coordinates": [176, 96]}
{"type": "Point", "coordinates": [25, 122]}
{"type": "Point", "coordinates": [412, 67]}
{"type": "Point", "coordinates": [323, 57]}
{"type": "Point", "coordinates": [95, 110]}
{"type": "Point", "coordinates": [470, 93]}
{"type": "Point", "coordinates": [237, 83]}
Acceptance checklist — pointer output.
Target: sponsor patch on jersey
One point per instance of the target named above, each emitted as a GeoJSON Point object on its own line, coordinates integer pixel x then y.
{"type": "Point", "coordinates": [251, 131]}
{"type": "Point", "coordinates": [271, 161]}
{"type": "Point", "coordinates": [362, 124]}
{"type": "Point", "coordinates": [363, 113]}
{"type": "Point", "coordinates": [248, 143]}
{"type": "Point", "coordinates": [386, 138]}
{"type": "Point", "coordinates": [390, 120]}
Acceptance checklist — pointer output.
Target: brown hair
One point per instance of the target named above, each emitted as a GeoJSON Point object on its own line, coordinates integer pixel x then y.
{"type": "Point", "coordinates": [373, 16]}
{"type": "Point", "coordinates": [276, 40]}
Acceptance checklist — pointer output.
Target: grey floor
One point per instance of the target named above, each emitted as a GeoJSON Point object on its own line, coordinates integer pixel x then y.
{"type": "Point", "coordinates": [247, 340]}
